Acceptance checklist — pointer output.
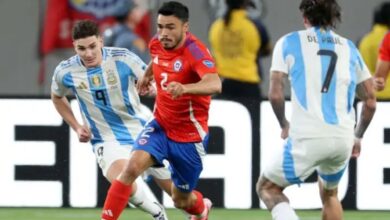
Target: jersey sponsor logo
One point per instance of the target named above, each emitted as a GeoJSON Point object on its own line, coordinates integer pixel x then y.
{"type": "Point", "coordinates": [96, 80]}
{"type": "Point", "coordinates": [208, 63]}
{"type": "Point", "coordinates": [177, 66]}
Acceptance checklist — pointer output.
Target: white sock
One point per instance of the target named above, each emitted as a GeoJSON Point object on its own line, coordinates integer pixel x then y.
{"type": "Point", "coordinates": [283, 211]}
{"type": "Point", "coordinates": [140, 200]}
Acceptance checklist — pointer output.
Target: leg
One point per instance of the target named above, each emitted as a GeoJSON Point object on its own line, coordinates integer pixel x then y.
{"type": "Point", "coordinates": [165, 184]}
{"type": "Point", "coordinates": [332, 209]}
{"type": "Point", "coordinates": [121, 189]}
{"type": "Point", "coordinates": [275, 200]}
{"type": "Point", "coordinates": [138, 197]}
{"type": "Point", "coordinates": [192, 203]}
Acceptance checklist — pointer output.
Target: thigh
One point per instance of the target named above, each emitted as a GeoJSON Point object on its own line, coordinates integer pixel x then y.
{"type": "Point", "coordinates": [108, 152]}
{"type": "Point", "coordinates": [332, 168]}
{"type": "Point", "coordinates": [292, 163]}
{"type": "Point", "coordinates": [186, 164]}
{"type": "Point", "coordinates": [153, 140]}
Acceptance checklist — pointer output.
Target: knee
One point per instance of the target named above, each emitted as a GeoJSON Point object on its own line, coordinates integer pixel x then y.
{"type": "Point", "coordinates": [329, 193]}
{"type": "Point", "coordinates": [131, 171]}
{"type": "Point", "coordinates": [179, 202]}
{"type": "Point", "coordinates": [260, 188]}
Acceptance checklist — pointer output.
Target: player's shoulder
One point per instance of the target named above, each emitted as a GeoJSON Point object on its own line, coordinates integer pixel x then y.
{"type": "Point", "coordinates": [195, 48]}
{"type": "Point", "coordinates": [68, 64]}
{"type": "Point", "coordinates": [291, 36]}
{"type": "Point", "coordinates": [118, 53]}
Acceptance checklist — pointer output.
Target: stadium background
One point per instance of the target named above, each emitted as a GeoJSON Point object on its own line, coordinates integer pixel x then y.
{"type": "Point", "coordinates": [21, 24]}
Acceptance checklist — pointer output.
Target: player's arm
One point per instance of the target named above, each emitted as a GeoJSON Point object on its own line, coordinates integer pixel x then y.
{"type": "Point", "coordinates": [144, 83]}
{"type": "Point", "coordinates": [209, 84]}
{"type": "Point", "coordinates": [366, 92]}
{"type": "Point", "coordinates": [381, 73]}
{"type": "Point", "coordinates": [277, 99]}
{"type": "Point", "coordinates": [63, 108]}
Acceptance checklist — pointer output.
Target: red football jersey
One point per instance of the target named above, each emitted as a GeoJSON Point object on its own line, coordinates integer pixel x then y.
{"type": "Point", "coordinates": [384, 51]}
{"type": "Point", "coordinates": [185, 118]}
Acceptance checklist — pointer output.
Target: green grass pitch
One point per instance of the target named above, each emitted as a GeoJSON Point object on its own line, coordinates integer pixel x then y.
{"type": "Point", "coordinates": [216, 214]}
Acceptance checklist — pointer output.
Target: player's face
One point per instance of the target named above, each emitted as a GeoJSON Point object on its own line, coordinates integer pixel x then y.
{"type": "Point", "coordinates": [171, 31]}
{"type": "Point", "coordinates": [90, 50]}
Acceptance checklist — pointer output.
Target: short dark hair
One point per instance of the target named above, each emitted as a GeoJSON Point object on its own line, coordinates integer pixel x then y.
{"type": "Point", "coordinates": [176, 9]}
{"type": "Point", "coordinates": [85, 28]}
{"type": "Point", "coordinates": [324, 13]}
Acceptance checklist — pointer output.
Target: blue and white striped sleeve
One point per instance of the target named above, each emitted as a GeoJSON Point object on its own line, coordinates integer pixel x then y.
{"type": "Point", "coordinates": [57, 86]}
{"type": "Point", "coordinates": [362, 71]}
{"type": "Point", "coordinates": [135, 63]}
{"type": "Point", "coordinates": [278, 61]}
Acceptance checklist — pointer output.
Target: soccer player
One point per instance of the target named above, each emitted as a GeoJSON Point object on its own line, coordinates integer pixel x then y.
{"type": "Point", "coordinates": [185, 76]}
{"type": "Point", "coordinates": [325, 71]}
{"type": "Point", "coordinates": [103, 80]}
{"type": "Point", "coordinates": [383, 64]}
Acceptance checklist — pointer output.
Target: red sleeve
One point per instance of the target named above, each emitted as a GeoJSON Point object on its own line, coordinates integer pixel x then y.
{"type": "Point", "coordinates": [384, 50]}
{"type": "Point", "coordinates": [202, 61]}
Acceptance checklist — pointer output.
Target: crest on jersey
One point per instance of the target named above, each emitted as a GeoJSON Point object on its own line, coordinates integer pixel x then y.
{"type": "Point", "coordinates": [208, 63]}
{"type": "Point", "coordinates": [142, 141]}
{"type": "Point", "coordinates": [111, 78]}
{"type": "Point", "coordinates": [177, 65]}
{"type": "Point", "coordinates": [96, 80]}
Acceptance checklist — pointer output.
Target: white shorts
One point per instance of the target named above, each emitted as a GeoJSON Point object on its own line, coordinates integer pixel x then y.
{"type": "Point", "coordinates": [299, 158]}
{"type": "Point", "coordinates": [108, 152]}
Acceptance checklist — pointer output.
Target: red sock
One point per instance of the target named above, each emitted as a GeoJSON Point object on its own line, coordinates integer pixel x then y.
{"type": "Point", "coordinates": [116, 200]}
{"type": "Point", "coordinates": [198, 207]}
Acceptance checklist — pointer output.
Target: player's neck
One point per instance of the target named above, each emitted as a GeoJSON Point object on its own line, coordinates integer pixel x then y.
{"type": "Point", "coordinates": [182, 42]}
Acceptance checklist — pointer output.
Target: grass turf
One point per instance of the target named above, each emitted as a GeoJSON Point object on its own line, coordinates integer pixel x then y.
{"type": "Point", "coordinates": [216, 214]}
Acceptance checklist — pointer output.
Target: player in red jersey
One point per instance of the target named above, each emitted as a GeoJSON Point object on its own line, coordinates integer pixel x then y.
{"type": "Point", "coordinates": [383, 63]}
{"type": "Point", "coordinates": [185, 77]}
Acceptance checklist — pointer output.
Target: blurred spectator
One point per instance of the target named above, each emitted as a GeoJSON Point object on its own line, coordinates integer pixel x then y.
{"type": "Point", "coordinates": [369, 45]}
{"type": "Point", "coordinates": [123, 34]}
{"type": "Point", "coordinates": [237, 42]}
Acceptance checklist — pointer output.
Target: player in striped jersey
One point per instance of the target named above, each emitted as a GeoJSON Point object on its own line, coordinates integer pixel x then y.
{"type": "Point", "coordinates": [103, 81]}
{"type": "Point", "coordinates": [325, 71]}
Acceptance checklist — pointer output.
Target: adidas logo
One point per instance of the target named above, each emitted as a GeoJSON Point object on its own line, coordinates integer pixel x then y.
{"type": "Point", "coordinates": [108, 212]}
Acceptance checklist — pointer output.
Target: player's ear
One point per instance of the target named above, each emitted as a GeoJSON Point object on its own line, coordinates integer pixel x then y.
{"type": "Point", "coordinates": [186, 26]}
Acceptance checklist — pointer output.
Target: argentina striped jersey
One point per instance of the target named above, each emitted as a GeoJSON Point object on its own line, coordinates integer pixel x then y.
{"type": "Point", "coordinates": [106, 94]}
{"type": "Point", "coordinates": [324, 69]}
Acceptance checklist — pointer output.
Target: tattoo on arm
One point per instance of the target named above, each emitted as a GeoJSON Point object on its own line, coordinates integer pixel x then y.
{"type": "Point", "coordinates": [276, 97]}
{"type": "Point", "coordinates": [366, 93]}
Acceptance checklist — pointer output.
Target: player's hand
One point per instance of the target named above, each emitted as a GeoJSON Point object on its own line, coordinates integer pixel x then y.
{"type": "Point", "coordinates": [356, 148]}
{"type": "Point", "coordinates": [144, 85]}
{"type": "Point", "coordinates": [285, 130]}
{"type": "Point", "coordinates": [176, 89]}
{"type": "Point", "coordinates": [379, 83]}
{"type": "Point", "coordinates": [83, 134]}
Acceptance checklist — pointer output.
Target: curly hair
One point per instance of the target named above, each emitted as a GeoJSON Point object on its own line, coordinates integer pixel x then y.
{"type": "Point", "coordinates": [323, 13]}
